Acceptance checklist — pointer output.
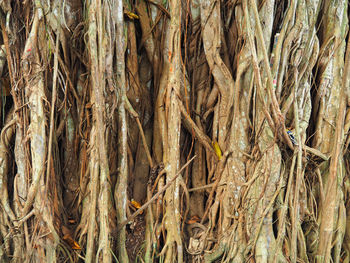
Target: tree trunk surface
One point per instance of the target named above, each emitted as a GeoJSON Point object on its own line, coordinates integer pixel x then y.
{"type": "Point", "coordinates": [174, 131]}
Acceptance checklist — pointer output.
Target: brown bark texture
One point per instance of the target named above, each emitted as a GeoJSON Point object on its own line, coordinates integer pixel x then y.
{"type": "Point", "coordinates": [174, 131]}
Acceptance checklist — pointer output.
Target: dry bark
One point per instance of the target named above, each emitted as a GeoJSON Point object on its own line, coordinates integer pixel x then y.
{"type": "Point", "coordinates": [174, 131]}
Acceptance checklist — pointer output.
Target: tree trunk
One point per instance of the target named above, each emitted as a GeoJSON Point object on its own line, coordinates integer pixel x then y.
{"type": "Point", "coordinates": [174, 131]}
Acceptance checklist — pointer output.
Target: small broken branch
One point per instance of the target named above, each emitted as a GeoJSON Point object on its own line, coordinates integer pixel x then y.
{"type": "Point", "coordinates": [142, 208]}
{"type": "Point", "coordinates": [133, 113]}
{"type": "Point", "coordinates": [191, 126]}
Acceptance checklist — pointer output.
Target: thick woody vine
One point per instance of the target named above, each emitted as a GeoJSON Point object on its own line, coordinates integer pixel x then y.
{"type": "Point", "coordinates": [174, 131]}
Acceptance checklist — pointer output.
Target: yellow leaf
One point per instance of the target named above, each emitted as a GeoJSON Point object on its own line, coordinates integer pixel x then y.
{"type": "Point", "coordinates": [75, 245]}
{"type": "Point", "coordinates": [217, 149]}
{"type": "Point", "coordinates": [71, 242]}
{"type": "Point", "coordinates": [135, 204]}
{"type": "Point", "coordinates": [131, 15]}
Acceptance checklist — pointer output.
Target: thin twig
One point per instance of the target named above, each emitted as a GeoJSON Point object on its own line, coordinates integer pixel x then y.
{"type": "Point", "coordinates": [166, 12]}
{"type": "Point", "coordinates": [203, 187]}
{"type": "Point", "coordinates": [53, 101]}
{"type": "Point", "coordinates": [191, 125]}
{"type": "Point", "coordinates": [295, 217]}
{"type": "Point", "coordinates": [316, 152]}
{"type": "Point", "coordinates": [140, 210]}
{"type": "Point", "coordinates": [131, 110]}
{"type": "Point", "coordinates": [219, 170]}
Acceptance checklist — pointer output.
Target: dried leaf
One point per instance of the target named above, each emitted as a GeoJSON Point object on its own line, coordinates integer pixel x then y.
{"type": "Point", "coordinates": [73, 244]}
{"type": "Point", "coordinates": [217, 149]}
{"type": "Point", "coordinates": [193, 219]}
{"type": "Point", "coordinates": [131, 15]}
{"type": "Point", "coordinates": [136, 204]}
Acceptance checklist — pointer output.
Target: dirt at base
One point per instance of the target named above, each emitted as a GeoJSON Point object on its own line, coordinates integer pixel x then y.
{"type": "Point", "coordinates": [135, 236]}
